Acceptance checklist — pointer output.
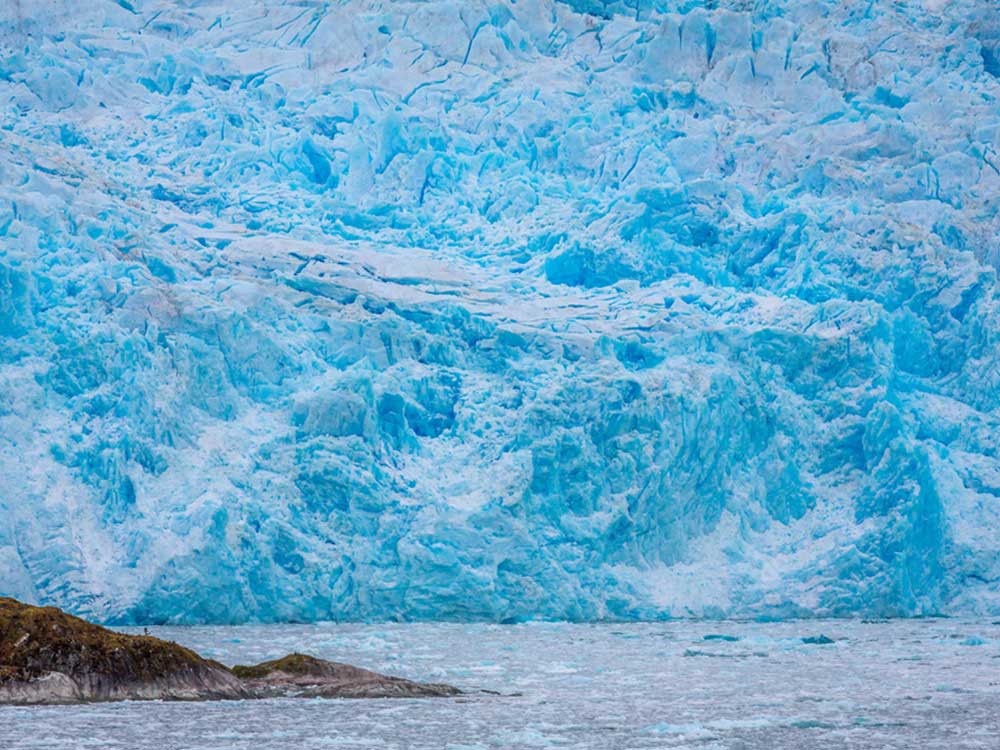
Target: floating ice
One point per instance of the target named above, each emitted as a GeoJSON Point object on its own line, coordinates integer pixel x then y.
{"type": "Point", "coordinates": [818, 640]}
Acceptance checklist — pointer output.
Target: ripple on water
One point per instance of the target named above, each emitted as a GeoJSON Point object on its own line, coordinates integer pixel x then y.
{"type": "Point", "coordinates": [899, 684]}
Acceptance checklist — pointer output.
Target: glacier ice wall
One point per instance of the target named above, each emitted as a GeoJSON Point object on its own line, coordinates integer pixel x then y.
{"type": "Point", "coordinates": [500, 310]}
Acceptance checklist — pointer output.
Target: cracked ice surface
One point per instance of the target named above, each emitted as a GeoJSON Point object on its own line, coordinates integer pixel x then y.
{"type": "Point", "coordinates": [468, 310]}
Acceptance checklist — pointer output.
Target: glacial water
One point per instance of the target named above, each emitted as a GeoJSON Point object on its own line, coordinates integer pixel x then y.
{"type": "Point", "coordinates": [722, 685]}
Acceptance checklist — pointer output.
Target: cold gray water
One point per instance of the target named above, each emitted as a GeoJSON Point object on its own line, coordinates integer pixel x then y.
{"type": "Point", "coordinates": [900, 684]}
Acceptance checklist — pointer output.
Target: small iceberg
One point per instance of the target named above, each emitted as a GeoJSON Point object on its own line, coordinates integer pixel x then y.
{"type": "Point", "coordinates": [818, 640]}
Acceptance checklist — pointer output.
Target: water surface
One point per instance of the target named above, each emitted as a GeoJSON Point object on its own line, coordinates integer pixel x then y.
{"type": "Point", "coordinates": [708, 685]}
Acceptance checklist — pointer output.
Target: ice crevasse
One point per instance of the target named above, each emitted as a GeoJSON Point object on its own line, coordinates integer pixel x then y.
{"type": "Point", "coordinates": [500, 310]}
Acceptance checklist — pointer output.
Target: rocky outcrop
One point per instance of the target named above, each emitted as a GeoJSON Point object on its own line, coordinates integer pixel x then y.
{"type": "Point", "coordinates": [48, 656]}
{"type": "Point", "coordinates": [307, 676]}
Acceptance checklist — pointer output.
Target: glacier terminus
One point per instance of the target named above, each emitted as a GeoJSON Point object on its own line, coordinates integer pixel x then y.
{"type": "Point", "coordinates": [500, 310]}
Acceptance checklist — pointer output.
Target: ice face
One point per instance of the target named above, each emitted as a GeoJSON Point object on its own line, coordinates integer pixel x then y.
{"type": "Point", "coordinates": [502, 311]}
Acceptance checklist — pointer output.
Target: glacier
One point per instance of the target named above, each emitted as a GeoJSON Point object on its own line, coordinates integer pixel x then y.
{"type": "Point", "coordinates": [501, 310]}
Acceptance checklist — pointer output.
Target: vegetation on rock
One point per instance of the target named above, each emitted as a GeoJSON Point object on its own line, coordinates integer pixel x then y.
{"type": "Point", "coordinates": [49, 656]}
{"type": "Point", "coordinates": [296, 664]}
{"type": "Point", "coordinates": [304, 675]}
{"type": "Point", "coordinates": [37, 640]}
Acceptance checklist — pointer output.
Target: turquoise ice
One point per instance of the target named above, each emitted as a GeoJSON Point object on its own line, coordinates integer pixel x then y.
{"type": "Point", "coordinates": [500, 311]}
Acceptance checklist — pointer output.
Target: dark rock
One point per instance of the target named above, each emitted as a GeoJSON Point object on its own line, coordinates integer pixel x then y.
{"type": "Point", "coordinates": [307, 676]}
{"type": "Point", "coordinates": [48, 656]}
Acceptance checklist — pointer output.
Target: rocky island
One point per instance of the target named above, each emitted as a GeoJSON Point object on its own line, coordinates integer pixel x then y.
{"type": "Point", "coordinates": [49, 656]}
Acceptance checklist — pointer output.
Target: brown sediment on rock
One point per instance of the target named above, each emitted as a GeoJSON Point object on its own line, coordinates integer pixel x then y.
{"type": "Point", "coordinates": [49, 656]}
{"type": "Point", "coordinates": [307, 676]}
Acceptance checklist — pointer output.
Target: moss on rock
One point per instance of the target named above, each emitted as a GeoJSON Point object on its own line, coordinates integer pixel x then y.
{"type": "Point", "coordinates": [49, 656]}
{"type": "Point", "coordinates": [99, 664]}
{"type": "Point", "coordinates": [36, 640]}
{"type": "Point", "coordinates": [304, 675]}
{"type": "Point", "coordinates": [298, 664]}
